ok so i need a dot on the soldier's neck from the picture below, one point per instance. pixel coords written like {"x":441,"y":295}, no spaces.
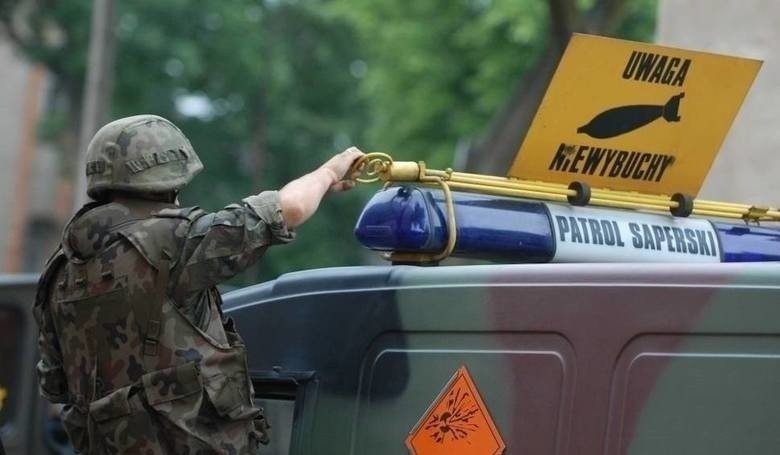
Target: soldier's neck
{"x":131,"y":198}
{"x":142,"y":206}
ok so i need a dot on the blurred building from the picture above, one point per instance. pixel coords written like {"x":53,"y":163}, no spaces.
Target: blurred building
{"x":29,"y":175}
{"x":748,"y":165}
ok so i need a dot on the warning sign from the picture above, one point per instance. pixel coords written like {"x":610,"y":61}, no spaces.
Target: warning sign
{"x":457,"y":423}
{"x":634,"y":116}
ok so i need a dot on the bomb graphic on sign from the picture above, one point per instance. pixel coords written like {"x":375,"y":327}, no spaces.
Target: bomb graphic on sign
{"x":624,"y":119}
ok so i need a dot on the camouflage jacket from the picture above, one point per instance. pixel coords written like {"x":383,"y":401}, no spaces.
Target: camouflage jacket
{"x":132,"y":336}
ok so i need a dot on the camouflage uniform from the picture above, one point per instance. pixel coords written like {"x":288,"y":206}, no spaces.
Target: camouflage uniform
{"x":132,"y":336}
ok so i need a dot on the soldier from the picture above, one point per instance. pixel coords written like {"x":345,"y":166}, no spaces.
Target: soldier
{"x":132,"y":336}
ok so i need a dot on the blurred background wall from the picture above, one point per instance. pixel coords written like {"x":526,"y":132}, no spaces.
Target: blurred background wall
{"x":28,"y":192}
{"x":747,"y":168}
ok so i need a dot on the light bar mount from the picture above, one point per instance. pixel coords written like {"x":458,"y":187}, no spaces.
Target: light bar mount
{"x":381,"y":167}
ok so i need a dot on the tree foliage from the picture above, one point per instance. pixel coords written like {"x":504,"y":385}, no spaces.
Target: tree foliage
{"x":438,"y":70}
{"x":444,"y":75}
{"x":263,"y":90}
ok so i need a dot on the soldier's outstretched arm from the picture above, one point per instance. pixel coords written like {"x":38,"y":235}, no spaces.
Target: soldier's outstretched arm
{"x":221,"y":244}
{"x":301,"y":197}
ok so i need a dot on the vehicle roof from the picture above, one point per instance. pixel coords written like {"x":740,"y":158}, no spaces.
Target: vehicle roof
{"x":586,"y":343}
{"x":356,"y":278}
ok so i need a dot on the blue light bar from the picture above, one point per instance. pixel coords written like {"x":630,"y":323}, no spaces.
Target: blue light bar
{"x":409,"y":219}
{"x":743,"y":243}
{"x":413,"y":219}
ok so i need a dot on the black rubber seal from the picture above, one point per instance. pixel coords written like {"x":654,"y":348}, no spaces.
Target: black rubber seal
{"x":684,"y":205}
{"x":583,"y":194}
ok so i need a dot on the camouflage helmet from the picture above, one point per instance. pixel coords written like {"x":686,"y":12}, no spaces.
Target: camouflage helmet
{"x":140,"y":154}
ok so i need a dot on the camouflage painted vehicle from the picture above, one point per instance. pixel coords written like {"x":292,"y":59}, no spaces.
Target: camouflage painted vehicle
{"x":567,"y":358}
{"x":542,"y":358}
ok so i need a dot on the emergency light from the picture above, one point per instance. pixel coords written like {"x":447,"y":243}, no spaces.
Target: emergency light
{"x":410,"y":219}
{"x":521,"y":221}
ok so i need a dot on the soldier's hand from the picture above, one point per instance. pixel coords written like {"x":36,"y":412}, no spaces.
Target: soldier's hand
{"x":340,"y":166}
{"x":300,"y":198}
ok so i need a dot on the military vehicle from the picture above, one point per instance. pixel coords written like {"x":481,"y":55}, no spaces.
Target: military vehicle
{"x":27,"y":422}
{"x":643,"y":330}
{"x":681,"y":356}
{"x":567,"y":358}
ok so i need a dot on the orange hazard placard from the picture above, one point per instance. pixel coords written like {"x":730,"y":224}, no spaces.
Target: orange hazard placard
{"x":457,"y":423}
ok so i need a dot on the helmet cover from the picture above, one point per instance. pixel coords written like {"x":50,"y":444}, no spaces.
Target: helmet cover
{"x":140,"y":154}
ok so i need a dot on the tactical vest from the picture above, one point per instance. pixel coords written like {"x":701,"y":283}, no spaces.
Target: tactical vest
{"x":142,"y":377}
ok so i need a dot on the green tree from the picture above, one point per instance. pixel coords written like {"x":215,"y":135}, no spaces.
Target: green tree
{"x":467,"y":75}
{"x":263,"y":90}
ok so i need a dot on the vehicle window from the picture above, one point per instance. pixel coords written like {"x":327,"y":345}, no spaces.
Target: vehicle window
{"x":11,"y":327}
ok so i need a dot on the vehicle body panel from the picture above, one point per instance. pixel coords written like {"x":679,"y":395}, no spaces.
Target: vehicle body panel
{"x":568,"y":358}
{"x":23,"y":413}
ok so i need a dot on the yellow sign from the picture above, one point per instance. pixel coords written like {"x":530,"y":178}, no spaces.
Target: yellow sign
{"x":633,"y":116}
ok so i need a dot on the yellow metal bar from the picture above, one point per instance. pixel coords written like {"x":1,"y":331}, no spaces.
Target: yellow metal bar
{"x":633,"y":197}
{"x":717,"y":213}
{"x":626,"y":205}
{"x":378,"y":166}
{"x":724,"y":204}
{"x":509,"y":191}
{"x":501,"y":181}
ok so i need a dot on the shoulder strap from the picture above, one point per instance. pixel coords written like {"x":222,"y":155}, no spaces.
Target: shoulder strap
{"x":152,"y":236}
{"x":45,"y":280}
{"x":188,"y":213}
{"x":154,"y":308}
